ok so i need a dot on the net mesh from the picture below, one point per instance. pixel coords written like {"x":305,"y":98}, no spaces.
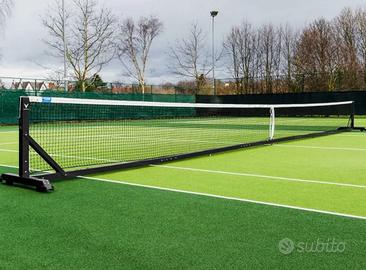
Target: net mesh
{"x":80,"y":136}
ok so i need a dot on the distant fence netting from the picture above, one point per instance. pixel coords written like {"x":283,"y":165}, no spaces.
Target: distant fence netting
{"x":9,"y":100}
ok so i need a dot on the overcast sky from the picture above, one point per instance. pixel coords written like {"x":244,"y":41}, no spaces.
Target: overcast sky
{"x":24,"y":52}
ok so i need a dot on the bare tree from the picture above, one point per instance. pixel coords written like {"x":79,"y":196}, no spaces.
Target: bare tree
{"x":270,"y":51}
{"x":361,"y":38}
{"x":318,"y":54}
{"x":240,"y":46}
{"x":346,"y":38}
{"x":257,"y":61}
{"x":232,"y":52}
{"x":189,"y":57}
{"x":134,"y":44}
{"x":89,"y":33}
{"x":345,"y":25}
{"x":288,"y":52}
{"x":245,"y":42}
{"x":325,"y":54}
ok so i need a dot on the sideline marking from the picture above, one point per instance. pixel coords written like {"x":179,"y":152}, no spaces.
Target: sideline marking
{"x":8,"y":150}
{"x":261,"y":176}
{"x":9,"y":131}
{"x":9,"y":166}
{"x":74,"y":157}
{"x":218,"y":197}
{"x":320,"y":147}
{"x":280,"y":178}
{"x":353,"y":134}
{"x":8,"y":143}
{"x":227,"y":198}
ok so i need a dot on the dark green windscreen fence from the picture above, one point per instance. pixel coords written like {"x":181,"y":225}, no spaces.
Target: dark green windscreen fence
{"x":9,"y":100}
{"x":9,"y":106}
{"x":359,"y":97}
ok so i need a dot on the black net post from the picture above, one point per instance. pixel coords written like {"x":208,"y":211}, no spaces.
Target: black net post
{"x":23,"y":137}
{"x":24,"y":177}
{"x":352,"y":117}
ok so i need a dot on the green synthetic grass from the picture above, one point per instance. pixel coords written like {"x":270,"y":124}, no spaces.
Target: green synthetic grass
{"x":95,"y":225}
{"x":336,"y":166}
{"x":88,"y":224}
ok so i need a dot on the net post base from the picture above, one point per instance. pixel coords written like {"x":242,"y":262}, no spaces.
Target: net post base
{"x":41,"y":185}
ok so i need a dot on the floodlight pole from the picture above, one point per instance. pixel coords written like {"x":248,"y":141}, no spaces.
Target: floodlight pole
{"x":65,"y":45}
{"x":213,"y":15}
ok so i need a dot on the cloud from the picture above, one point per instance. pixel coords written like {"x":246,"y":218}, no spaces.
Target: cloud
{"x":22,"y":47}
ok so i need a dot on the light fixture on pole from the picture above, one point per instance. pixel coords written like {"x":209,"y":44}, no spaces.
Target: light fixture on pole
{"x":65,"y":45}
{"x":213,"y":15}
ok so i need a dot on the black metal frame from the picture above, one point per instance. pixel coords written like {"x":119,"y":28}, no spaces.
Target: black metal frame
{"x":42,"y":181}
{"x":352,"y":120}
{"x":25,"y":142}
{"x":118,"y":166}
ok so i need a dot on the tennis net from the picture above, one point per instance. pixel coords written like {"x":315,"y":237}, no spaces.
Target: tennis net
{"x":64,"y":138}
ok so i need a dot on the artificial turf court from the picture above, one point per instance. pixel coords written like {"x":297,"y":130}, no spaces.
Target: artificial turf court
{"x":317,"y":188}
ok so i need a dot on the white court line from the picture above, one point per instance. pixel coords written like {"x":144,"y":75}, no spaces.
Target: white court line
{"x":280,"y":178}
{"x":9,"y":131}
{"x":7,"y":150}
{"x":76,"y":157}
{"x":218,"y":196}
{"x":354,"y":134}
{"x":9,"y":166}
{"x":261,"y":176}
{"x":320,"y":147}
{"x":8,"y":143}
{"x":228,"y":198}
